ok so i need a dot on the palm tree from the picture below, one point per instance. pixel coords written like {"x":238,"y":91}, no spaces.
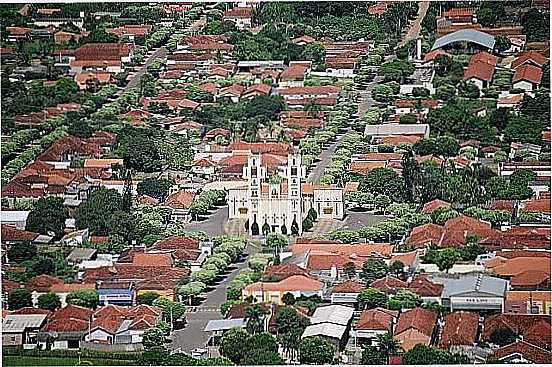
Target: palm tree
{"x":254,"y":317}
{"x":388,"y":345}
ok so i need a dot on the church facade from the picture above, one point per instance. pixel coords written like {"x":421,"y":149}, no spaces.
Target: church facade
{"x":281,"y":202}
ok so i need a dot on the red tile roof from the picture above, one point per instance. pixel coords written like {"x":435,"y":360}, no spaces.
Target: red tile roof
{"x":484,"y":57}
{"x":376,"y":319}
{"x":12,"y":234}
{"x":310,"y":90}
{"x":479,"y":70}
{"x":389,"y":285}
{"x":139,"y":30}
{"x":530,"y":352}
{"x":532,"y":57}
{"x":422,"y":235}
{"x":530,"y":279}
{"x":434,"y":204}
{"x":432,"y":55}
{"x":419,"y":319}
{"x":424,"y":287}
{"x":348,"y":286}
{"x":535,"y":329}
{"x":273,"y":148}
{"x":175,"y":243}
{"x":180,"y":200}
{"x":127,"y":272}
{"x":295,"y":72}
{"x":517,"y":265}
{"x":102,"y":51}
{"x":152,"y":259}
{"x":42,"y":283}
{"x":292,"y":283}
{"x":460,"y":328}
{"x":284,"y":271}
{"x":239,"y":12}
{"x":528,"y":73}
{"x":458,"y":13}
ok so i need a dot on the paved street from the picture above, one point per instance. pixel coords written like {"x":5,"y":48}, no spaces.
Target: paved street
{"x":193,"y":336}
{"x":414,"y":29}
{"x":356,"y":220}
{"x":318,"y":171}
{"x":213,"y":225}
{"x":135,"y":79}
{"x":366,"y":96}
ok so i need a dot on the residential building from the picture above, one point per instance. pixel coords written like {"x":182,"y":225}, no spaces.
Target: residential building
{"x":346,"y":292}
{"x":528,"y":302}
{"x":21,"y":330}
{"x":332,"y":323}
{"x":523,"y":352}
{"x":66,"y":328}
{"x":116,"y":293}
{"x":241,"y":16}
{"x":415,"y":327}
{"x":298,"y":285}
{"x":373,"y":323}
{"x":459,"y":333}
{"x":527,"y":77}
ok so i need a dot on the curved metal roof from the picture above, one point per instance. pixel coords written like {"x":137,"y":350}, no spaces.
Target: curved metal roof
{"x":465,"y":35}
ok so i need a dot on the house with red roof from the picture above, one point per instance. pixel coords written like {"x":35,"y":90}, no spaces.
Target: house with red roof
{"x":373,"y":323}
{"x":86,"y":80}
{"x":522,"y":352}
{"x":533,"y":329}
{"x":459,"y":332}
{"x":113,"y":325}
{"x":69,"y":324}
{"x":109,"y":57}
{"x":527,"y":77}
{"x":293,"y":76}
{"x":529,"y":302}
{"x":131,"y":30}
{"x":480,"y":70}
{"x":346,"y":292}
{"x":256,"y":90}
{"x":180,"y":202}
{"x":529,"y":57}
{"x":415,"y":326}
{"x":241,"y":16}
{"x":298,"y":285}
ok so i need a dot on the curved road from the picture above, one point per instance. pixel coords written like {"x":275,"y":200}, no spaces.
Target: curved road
{"x":414,"y":29}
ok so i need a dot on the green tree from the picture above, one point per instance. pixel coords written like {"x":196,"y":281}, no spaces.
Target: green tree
{"x":266,"y":358}
{"x":19,"y":298}
{"x":447,"y":258}
{"x":503,"y":336}
{"x":21,"y":251}
{"x":423,"y":354}
{"x":171,"y":310}
{"x":254,"y":318}
{"x":147,"y":298}
{"x":316,"y":350}
{"x":373,"y":269}
{"x":349,"y":269}
{"x":233,"y":344}
{"x":153,"y":337}
{"x":403,"y":300}
{"x":371,"y":355}
{"x":49,"y":301}
{"x":95,"y":213}
{"x":156,"y":188}
{"x":83,"y":297}
{"x":48,"y":215}
{"x":502,"y":43}
{"x":535,"y":25}
{"x":384,"y":181}
{"x":445,"y":92}
{"x":288,"y":298}
{"x":371,"y":298}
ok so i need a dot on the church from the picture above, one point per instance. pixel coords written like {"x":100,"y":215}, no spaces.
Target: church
{"x":279,"y":203}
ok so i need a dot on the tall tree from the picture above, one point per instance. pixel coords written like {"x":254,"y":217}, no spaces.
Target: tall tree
{"x":48,"y":216}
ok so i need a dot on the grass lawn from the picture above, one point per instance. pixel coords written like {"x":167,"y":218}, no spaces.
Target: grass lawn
{"x":58,"y":361}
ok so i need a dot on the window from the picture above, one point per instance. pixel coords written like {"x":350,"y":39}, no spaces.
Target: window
{"x":294,"y":171}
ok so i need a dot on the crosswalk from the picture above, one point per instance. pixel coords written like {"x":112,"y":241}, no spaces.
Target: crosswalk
{"x":202,"y":309}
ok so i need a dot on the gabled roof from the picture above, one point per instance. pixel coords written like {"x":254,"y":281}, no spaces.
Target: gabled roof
{"x":424,"y":287}
{"x":532,"y":57}
{"x":460,"y":328}
{"x":527,"y":72}
{"x":152,"y":259}
{"x":348,"y":286}
{"x":434,"y":204}
{"x":535,"y":329}
{"x":479,"y":70}
{"x":528,"y":351}
{"x":419,"y":319}
{"x":180,"y":200}
{"x":389,"y":285}
{"x":12,"y":234}
{"x":376,"y":319}
{"x":292,"y":283}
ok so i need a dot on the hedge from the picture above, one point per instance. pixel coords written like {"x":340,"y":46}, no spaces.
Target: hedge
{"x":83,"y":352}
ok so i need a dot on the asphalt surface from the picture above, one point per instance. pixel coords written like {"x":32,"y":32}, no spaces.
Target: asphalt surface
{"x":193,"y":336}
{"x":414,"y":29}
{"x":325,"y":157}
{"x":213,"y":225}
{"x":135,"y":80}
